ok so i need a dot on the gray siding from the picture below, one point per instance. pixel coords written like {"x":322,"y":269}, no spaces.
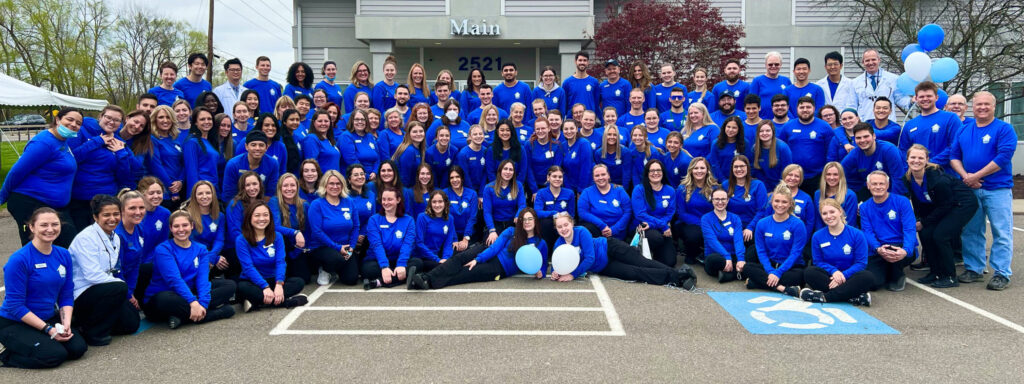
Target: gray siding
{"x":732,"y":10}
{"x":328,"y":13}
{"x":755,"y":61}
{"x":548,"y":8}
{"x":819,"y":12}
{"x":401,"y":7}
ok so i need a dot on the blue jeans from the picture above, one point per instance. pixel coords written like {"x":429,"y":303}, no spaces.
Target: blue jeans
{"x":995,"y":205}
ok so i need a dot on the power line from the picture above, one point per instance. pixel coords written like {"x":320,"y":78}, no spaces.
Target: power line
{"x":240,"y":14}
{"x":270,"y":7}
{"x":260,"y":14}
{"x":275,"y":75}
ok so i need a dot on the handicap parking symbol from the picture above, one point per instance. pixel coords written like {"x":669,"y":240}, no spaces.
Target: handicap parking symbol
{"x":764,"y":313}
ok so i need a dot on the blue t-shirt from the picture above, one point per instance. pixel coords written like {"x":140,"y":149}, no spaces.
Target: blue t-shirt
{"x":977,"y":146}
{"x":268,"y":90}
{"x":586,"y":91}
{"x":766,"y":87}
{"x":191,"y":90}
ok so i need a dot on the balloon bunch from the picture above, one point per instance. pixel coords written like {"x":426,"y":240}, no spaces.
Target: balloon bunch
{"x":920,"y":67}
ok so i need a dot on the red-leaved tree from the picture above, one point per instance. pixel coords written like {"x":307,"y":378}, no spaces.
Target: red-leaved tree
{"x":686,"y":33}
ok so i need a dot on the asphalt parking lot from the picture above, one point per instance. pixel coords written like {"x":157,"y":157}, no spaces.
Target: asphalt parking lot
{"x":594,"y":330}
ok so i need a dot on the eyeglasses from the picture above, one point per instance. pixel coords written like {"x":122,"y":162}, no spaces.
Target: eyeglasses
{"x":676,"y":98}
{"x":528,"y":218}
{"x":719,"y":199}
{"x":107,"y":117}
{"x":655,"y":171}
{"x":774,"y":64}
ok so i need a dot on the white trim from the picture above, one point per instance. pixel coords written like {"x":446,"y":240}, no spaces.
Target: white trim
{"x":969,"y":307}
{"x":536,"y":61}
{"x":325,"y":54}
{"x":458,"y":309}
{"x":792,"y":58}
{"x":502,"y":10}
{"x":609,"y":309}
{"x":298,"y":34}
{"x":792,"y":20}
{"x":464,"y":290}
{"x":447,"y":7}
{"x":359,"y":7}
{"x":421,"y":59}
{"x":743,"y":12}
{"x":842,"y":70}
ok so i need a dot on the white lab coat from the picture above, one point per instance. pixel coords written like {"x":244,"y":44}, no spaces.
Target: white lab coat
{"x":844,"y":93}
{"x":92,"y":256}
{"x":864,"y":96}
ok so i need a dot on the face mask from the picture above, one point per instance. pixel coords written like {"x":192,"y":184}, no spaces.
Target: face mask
{"x":65,"y":132}
{"x":451,"y":115}
{"x":331,"y":79}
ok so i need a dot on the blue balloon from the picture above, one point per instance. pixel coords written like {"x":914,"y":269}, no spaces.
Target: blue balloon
{"x":905,"y":84}
{"x":930,"y":37}
{"x":528,"y":259}
{"x":943,"y":97}
{"x":944,"y":69}
{"x":910,"y":48}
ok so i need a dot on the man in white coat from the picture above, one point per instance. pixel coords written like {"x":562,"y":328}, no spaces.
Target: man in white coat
{"x":873,"y":83}
{"x":838,"y":88}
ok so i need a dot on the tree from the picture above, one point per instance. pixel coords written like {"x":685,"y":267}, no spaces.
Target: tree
{"x":687,"y":34}
{"x":984,"y":36}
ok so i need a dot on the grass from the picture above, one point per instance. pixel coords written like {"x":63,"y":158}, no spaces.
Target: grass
{"x":8,"y":158}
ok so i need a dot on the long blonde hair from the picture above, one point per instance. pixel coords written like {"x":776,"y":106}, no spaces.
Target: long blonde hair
{"x":298,"y":202}
{"x":192,"y":206}
{"x":604,"y":142}
{"x":690,"y":184}
{"x":773,"y":152}
{"x":840,"y":192}
{"x":407,"y":141}
{"x":173,"y":132}
{"x":689,"y":128}
{"x":422,"y":85}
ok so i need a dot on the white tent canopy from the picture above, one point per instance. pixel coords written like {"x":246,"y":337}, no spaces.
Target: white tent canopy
{"x":22,"y":94}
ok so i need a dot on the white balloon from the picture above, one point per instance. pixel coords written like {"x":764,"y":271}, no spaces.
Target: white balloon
{"x":918,"y":66}
{"x":565,"y":259}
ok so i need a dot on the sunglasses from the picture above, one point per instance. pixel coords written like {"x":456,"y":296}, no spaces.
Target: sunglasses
{"x":676,"y":98}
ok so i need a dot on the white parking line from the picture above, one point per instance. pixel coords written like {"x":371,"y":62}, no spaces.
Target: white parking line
{"x":614,"y":323}
{"x":968,"y":306}
{"x":464,"y":290}
{"x":474,"y":309}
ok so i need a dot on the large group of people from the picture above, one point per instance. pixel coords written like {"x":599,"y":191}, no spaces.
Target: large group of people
{"x":205,"y":197}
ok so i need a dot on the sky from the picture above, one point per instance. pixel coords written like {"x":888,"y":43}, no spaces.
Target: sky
{"x":233,"y":31}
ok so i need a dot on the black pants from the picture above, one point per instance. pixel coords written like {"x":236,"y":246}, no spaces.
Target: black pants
{"x":247,"y":290}
{"x":886,"y":272}
{"x":856,"y":284}
{"x":371,"y":270}
{"x":174,"y":205}
{"x":81,"y":213}
{"x":596,"y":231}
{"x":453,"y":271}
{"x":663,"y":249}
{"x":863,"y":194}
{"x":500,"y":226}
{"x":941,"y":240}
{"x":715,"y":263}
{"x":626,"y":263}
{"x":547,"y":231}
{"x":759,"y":277}
{"x":332,"y":261}
{"x":28,"y":347}
{"x":298,"y":266}
{"x":234,"y":268}
{"x":692,"y":238}
{"x":811,"y":185}
{"x":167,"y":303}
{"x":21,"y":207}
{"x":104,"y":309}
{"x":145,"y":276}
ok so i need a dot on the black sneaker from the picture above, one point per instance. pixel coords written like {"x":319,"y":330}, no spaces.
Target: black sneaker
{"x":969,"y":276}
{"x":945,"y":282}
{"x":863,"y":300}
{"x":921,"y":266}
{"x":688,"y":283}
{"x":750,"y":285}
{"x":370,"y":284}
{"x":811,"y":295}
{"x":690,"y":260}
{"x":792,"y":290}
{"x":419,"y":281}
{"x":296,"y":301}
{"x":899,"y":285}
{"x":998,"y":283}
{"x":221,"y":313}
{"x":928,"y":279}
{"x":173,"y":322}
{"x":410,"y":272}
{"x":97,"y":341}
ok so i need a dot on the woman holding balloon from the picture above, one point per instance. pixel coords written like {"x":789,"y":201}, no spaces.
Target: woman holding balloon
{"x":608,"y":257}
{"x":501,"y":259}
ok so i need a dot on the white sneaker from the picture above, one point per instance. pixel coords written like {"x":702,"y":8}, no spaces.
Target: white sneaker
{"x":246,"y":306}
{"x":323,"y":278}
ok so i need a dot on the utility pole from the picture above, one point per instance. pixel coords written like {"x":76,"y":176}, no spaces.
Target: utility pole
{"x":209,"y":46}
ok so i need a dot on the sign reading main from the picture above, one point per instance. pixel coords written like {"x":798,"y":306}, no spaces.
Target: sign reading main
{"x":466,"y":27}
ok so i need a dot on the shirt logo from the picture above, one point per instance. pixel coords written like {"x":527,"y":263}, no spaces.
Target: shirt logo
{"x":465,"y":205}
{"x":736,"y":93}
{"x":517,"y":95}
{"x":731,"y":231}
{"x":573,"y":156}
{"x":808,"y":94}
{"x":985,"y":139}
{"x":589,"y":88}
{"x":786,"y":235}
{"x":747,"y":199}
{"x":195,"y":262}
{"x":398,"y":234}
{"x":178,"y":147}
{"x":847,"y":249}
{"x":445,"y":229}
{"x":483,"y":161}
{"x":661,"y":141}
{"x":814,"y":135}
{"x":878,"y":165}
{"x":618,"y":161}
{"x":369,"y":205}
{"x":555,"y":99}
{"x":701,"y":137}
{"x":927,"y":197}
{"x":664,"y":203}
{"x":510,"y":197}
{"x":273,"y":92}
{"x":892,"y":215}
{"x":62,"y":271}
{"x":615,"y":202}
{"x":783,"y":86}
{"x":372,"y":146}
{"x":213,"y":227}
{"x":935,"y":128}
{"x":563,"y":204}
{"x":768,"y":234}
{"x":271,"y":251}
{"x":348,"y":216}
{"x":618,"y":92}
{"x":797,"y":209}
{"x":158,"y":225}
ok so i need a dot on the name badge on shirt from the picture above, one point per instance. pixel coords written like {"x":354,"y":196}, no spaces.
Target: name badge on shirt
{"x":825,"y":244}
{"x":548,"y":202}
{"x":727,"y":223}
{"x":913,"y":129}
{"x":797,"y":130}
{"x":549,"y":154}
{"x":768,"y":234}
{"x":40,"y":265}
{"x":385,"y":226}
